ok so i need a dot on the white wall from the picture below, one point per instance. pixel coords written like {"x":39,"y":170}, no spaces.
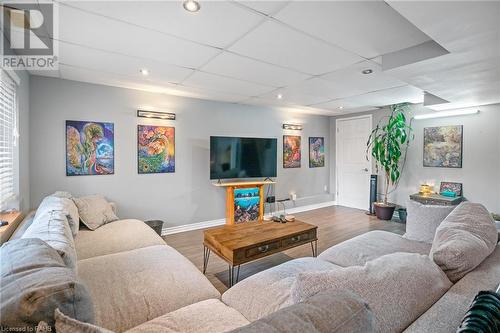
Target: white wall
{"x":183,"y":197}
{"x":480,"y":172}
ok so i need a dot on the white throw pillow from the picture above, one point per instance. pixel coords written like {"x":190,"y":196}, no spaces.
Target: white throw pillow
{"x":95,"y":211}
{"x":398,"y":287}
{"x":423,"y":220}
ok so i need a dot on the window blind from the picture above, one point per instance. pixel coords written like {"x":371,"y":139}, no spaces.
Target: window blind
{"x":7,"y":138}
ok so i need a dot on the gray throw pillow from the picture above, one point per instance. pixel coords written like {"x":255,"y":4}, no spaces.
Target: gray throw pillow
{"x":423,"y":220}
{"x":398,"y":287}
{"x":95,"y":211}
{"x":465,"y":238}
{"x":34,"y":282}
{"x":326,"y":312}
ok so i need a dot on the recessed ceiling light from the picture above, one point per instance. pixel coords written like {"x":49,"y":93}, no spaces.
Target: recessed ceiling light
{"x":144,"y":71}
{"x":279,"y":96}
{"x":367,"y":71}
{"x":191,"y":6}
{"x":341,"y":107}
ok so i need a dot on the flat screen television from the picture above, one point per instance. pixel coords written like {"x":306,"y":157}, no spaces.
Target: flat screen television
{"x":232,"y":157}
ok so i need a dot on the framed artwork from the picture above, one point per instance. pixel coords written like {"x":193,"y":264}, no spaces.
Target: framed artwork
{"x":291,"y":151}
{"x":451,"y":187}
{"x":155,"y":149}
{"x":246,"y":204}
{"x":316,"y":152}
{"x":443,"y":146}
{"x":90,"y":148}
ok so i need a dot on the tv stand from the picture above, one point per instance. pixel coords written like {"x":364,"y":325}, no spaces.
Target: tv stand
{"x":230,"y":197}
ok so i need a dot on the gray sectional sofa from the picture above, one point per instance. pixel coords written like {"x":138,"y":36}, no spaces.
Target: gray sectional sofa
{"x":137,"y":283}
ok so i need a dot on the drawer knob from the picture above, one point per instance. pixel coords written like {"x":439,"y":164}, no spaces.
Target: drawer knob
{"x":263,"y":249}
{"x":296,"y":239}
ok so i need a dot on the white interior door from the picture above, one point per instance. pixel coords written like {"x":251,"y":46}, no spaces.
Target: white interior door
{"x":353,"y":170}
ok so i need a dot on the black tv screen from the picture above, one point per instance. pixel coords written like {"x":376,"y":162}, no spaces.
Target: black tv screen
{"x":232,"y":157}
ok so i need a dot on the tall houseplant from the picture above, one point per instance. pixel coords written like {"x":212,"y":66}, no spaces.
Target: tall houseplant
{"x":387,"y":146}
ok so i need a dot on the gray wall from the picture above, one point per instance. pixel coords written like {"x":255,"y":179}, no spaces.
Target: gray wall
{"x":183,"y":197}
{"x":480,"y":172}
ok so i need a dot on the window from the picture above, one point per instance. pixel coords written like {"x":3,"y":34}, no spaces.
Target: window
{"x":8,"y":133}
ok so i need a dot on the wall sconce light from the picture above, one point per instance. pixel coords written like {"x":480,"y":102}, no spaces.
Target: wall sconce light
{"x":157,"y":115}
{"x":293,"y":127}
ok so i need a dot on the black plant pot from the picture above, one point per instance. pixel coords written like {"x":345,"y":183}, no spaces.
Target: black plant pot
{"x":384,"y":211}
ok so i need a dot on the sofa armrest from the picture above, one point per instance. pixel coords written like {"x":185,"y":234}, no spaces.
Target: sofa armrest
{"x":327,"y":311}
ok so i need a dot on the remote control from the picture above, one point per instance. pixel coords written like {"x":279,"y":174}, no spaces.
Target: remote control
{"x":2,"y":223}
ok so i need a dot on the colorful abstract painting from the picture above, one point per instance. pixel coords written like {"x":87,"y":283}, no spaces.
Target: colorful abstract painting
{"x":316,"y":152}
{"x":443,"y":146}
{"x":291,"y":151}
{"x":246,"y":204}
{"x":90,"y":148}
{"x":156,"y":149}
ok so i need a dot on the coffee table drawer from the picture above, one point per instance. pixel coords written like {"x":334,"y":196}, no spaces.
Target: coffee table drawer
{"x":259,"y":250}
{"x":305,"y":237}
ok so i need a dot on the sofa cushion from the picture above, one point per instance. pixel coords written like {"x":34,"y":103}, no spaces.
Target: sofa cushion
{"x":34,"y":282}
{"x":326,"y":312}
{"x":451,"y":308}
{"x":423,"y":220}
{"x":398,"y":287}
{"x":359,"y":250}
{"x":132,"y":287}
{"x":52,"y":227}
{"x":269,"y":290}
{"x":464,"y":239}
{"x":95,"y":211}
{"x":210,"y":316}
{"x":63,"y":204}
{"x":114,"y":237}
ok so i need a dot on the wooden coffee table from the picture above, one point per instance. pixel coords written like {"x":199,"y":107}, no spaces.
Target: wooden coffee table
{"x":242,"y":243}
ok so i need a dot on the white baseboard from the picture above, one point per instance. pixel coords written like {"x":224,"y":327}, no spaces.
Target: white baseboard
{"x":213,"y":223}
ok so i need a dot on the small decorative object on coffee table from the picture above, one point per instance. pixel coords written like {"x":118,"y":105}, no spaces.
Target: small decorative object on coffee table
{"x":156,"y":225}
{"x":242,"y":243}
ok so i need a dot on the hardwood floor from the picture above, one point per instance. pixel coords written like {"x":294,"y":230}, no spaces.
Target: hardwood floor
{"x":335,"y":224}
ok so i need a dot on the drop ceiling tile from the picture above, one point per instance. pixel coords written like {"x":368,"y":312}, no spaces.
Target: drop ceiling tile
{"x":77,"y":26}
{"x":265,"y":7}
{"x":224,"y":84}
{"x":473,"y":21}
{"x":130,"y":66}
{"x":351,"y":81}
{"x":277,"y":44}
{"x":112,"y":79}
{"x":343,"y":106}
{"x":387,"y":97}
{"x":291,"y":97}
{"x":218,"y":23}
{"x":243,"y":68}
{"x":368,"y":28}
